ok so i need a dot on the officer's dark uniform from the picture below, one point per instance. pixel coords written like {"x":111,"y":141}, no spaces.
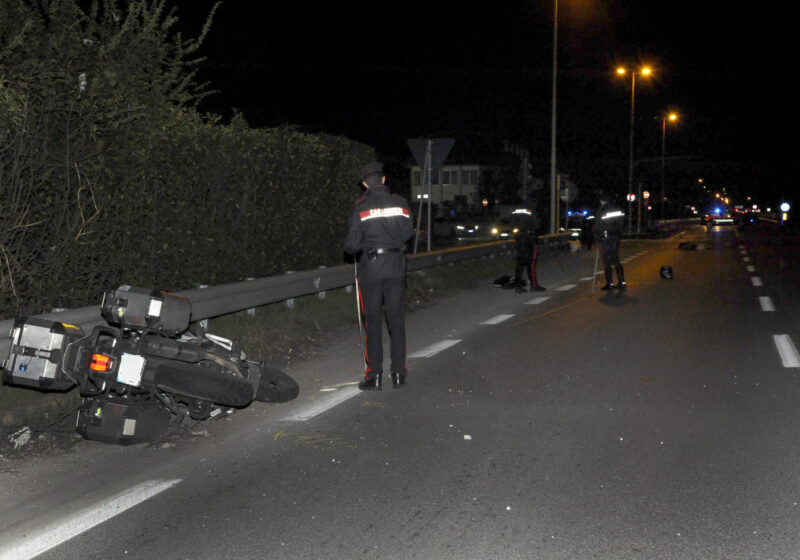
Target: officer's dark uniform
{"x":526,"y":244}
{"x":608,"y":224}
{"x":587,"y":232}
{"x":380,"y":226}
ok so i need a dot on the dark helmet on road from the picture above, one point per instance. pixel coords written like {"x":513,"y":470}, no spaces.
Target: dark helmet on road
{"x":666,"y":272}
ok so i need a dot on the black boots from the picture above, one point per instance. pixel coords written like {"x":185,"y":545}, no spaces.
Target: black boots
{"x":398,"y":380}
{"x":376,"y":383}
{"x":371,"y":383}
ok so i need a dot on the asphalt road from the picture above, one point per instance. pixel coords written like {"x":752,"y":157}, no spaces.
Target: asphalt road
{"x":658,"y":422}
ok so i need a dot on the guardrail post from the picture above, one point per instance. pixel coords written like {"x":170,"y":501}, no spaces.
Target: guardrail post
{"x":252,"y":311}
{"x":290,"y":301}
{"x":320,"y":295}
{"x":203,"y":322}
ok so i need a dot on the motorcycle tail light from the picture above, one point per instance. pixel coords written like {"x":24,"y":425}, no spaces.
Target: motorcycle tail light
{"x":100,"y":363}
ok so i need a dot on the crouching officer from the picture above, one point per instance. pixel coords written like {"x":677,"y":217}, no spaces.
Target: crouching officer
{"x":379,"y":228}
{"x":608,"y":225}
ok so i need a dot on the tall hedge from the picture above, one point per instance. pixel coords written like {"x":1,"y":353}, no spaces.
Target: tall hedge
{"x":108,"y":174}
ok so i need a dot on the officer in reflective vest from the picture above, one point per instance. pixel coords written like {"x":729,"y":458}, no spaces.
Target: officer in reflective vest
{"x":379,"y":228}
{"x":526,"y":244}
{"x":608,"y":224}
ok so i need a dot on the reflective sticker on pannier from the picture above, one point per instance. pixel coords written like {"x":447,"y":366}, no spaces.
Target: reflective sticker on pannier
{"x":130,"y":370}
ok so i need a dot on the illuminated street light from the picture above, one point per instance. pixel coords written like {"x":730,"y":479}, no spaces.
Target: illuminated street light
{"x":553,"y":187}
{"x":672,"y":117}
{"x":644,"y":71}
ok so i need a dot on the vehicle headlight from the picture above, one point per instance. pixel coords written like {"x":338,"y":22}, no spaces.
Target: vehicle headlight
{"x":494,"y":231}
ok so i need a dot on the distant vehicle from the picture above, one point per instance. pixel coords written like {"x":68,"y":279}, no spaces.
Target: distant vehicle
{"x":458,"y":228}
{"x":719,"y":217}
{"x":575,"y":225}
{"x":503,"y":229}
{"x":470,"y":228}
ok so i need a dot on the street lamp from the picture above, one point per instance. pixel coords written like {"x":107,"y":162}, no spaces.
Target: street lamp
{"x":644,"y":71}
{"x":672,"y":117}
{"x":553,"y":188}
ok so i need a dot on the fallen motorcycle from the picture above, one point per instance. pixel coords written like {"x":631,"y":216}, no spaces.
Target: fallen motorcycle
{"x":142,"y":369}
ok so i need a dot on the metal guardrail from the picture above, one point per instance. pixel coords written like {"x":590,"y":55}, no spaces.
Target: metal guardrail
{"x":239,"y":296}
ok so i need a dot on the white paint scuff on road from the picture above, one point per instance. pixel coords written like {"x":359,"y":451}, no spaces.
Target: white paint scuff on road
{"x":537,"y":300}
{"x":434,"y":349}
{"x":497,"y":319}
{"x":35,"y":542}
{"x":756,"y":281}
{"x":787,"y":350}
{"x":766,"y":303}
{"x":323,"y":405}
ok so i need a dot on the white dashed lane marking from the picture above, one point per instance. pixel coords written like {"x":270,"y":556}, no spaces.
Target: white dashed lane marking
{"x":787,"y":350}
{"x":756,"y":281}
{"x":324,"y":404}
{"x":751,"y":268}
{"x":565,"y":288}
{"x":537,"y":300}
{"x":434,"y":349}
{"x":766,"y":303}
{"x":746,"y":259}
{"x":38,"y":540}
{"x":497,"y":319}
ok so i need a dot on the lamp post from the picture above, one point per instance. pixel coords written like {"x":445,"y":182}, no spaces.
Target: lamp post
{"x":645,"y":71}
{"x":672,"y":117}
{"x":553,"y":187}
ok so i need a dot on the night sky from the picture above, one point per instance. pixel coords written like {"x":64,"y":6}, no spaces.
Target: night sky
{"x":382,"y":72}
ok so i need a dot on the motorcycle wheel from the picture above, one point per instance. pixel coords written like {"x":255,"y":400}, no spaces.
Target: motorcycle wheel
{"x":203,"y":382}
{"x":276,"y":386}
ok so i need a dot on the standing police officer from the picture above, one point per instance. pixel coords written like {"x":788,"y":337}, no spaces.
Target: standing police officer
{"x":526,"y":244}
{"x":608,"y":223}
{"x":380,"y":226}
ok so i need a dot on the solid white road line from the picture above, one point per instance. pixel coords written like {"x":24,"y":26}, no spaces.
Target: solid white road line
{"x":324,"y":404}
{"x":36,"y":541}
{"x":766,"y":303}
{"x":787,"y":350}
{"x":565,"y":287}
{"x":537,"y":300}
{"x":497,"y":319}
{"x":434,"y":349}
{"x":756,"y":281}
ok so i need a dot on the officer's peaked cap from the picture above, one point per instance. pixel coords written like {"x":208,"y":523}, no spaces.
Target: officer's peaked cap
{"x":370,"y":168}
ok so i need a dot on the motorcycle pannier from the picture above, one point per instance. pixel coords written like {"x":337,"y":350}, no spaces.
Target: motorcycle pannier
{"x":145,"y":309}
{"x":116,"y":420}
{"x":36,"y":349}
